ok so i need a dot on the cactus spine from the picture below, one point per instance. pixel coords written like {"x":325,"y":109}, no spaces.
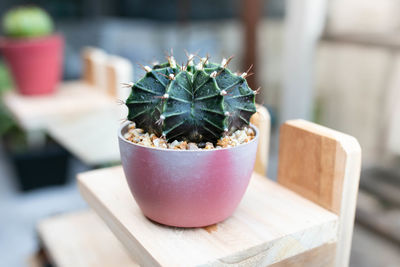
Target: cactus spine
{"x":194,"y":102}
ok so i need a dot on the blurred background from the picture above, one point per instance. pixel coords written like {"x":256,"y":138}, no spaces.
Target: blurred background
{"x":335,"y":62}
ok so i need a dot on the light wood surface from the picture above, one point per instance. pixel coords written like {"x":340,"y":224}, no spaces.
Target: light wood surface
{"x":322,"y":165}
{"x":119,"y":70}
{"x":34,"y":113}
{"x":262,"y":121}
{"x":322,"y":256}
{"x":81,"y":239}
{"x":94,"y":72}
{"x":91,"y":137}
{"x":271,"y":224}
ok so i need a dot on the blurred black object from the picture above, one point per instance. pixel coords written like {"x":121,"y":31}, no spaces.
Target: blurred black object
{"x":38,"y":167}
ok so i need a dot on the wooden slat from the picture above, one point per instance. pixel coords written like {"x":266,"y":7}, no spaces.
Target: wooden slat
{"x":270,"y":225}
{"x":94,"y":60}
{"x":71,"y":98}
{"x":382,"y":40}
{"x":81,"y":239}
{"x":119,"y":70}
{"x":91,"y":137}
{"x":322,"y":165}
{"x":262,"y":121}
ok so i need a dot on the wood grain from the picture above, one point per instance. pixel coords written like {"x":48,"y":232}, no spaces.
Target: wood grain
{"x":262,"y":121}
{"x":270,"y":225}
{"x":81,"y":239}
{"x":322,"y":165}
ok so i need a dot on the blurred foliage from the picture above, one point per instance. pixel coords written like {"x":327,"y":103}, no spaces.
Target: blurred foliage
{"x":317,"y":111}
{"x":6,"y":121}
{"x":5,"y":78}
{"x":14,"y":137}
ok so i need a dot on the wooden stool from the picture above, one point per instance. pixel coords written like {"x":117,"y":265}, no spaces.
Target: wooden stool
{"x":305,"y":219}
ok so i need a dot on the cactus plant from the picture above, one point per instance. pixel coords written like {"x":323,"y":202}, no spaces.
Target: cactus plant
{"x":194,"y":102}
{"x":27,"y":21}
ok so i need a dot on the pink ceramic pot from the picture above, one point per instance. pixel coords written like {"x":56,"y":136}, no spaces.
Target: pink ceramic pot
{"x":35,"y":63}
{"x":187,"y":188}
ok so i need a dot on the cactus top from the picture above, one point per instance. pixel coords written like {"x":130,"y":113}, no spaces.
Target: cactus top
{"x":27,"y":21}
{"x":193,"y":102}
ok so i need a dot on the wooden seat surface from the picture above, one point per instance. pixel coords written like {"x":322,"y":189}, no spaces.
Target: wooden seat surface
{"x":271,"y":224}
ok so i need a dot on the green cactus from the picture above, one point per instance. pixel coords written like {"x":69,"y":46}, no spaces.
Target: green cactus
{"x":27,"y":21}
{"x":191,"y":102}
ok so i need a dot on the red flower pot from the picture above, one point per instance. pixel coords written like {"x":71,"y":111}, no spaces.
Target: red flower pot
{"x":187,"y":188}
{"x":35,"y":63}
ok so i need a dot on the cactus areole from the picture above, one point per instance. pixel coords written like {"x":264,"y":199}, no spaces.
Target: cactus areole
{"x":197,"y":102}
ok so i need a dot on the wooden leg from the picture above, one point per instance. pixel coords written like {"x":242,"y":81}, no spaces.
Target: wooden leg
{"x":322,"y":165}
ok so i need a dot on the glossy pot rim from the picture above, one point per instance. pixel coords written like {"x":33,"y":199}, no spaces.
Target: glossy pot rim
{"x":129,"y":143}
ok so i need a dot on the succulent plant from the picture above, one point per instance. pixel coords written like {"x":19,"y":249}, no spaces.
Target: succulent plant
{"x":194,"y":102}
{"x":27,"y":21}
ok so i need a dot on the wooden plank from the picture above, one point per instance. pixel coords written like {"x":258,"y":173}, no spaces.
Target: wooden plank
{"x":81,"y":239}
{"x":322,"y":256}
{"x":382,"y":40}
{"x":91,"y":137}
{"x":119,"y":70}
{"x":33,"y":113}
{"x":94,"y":72}
{"x":271,"y":224}
{"x":322,"y":165}
{"x":262,"y":121}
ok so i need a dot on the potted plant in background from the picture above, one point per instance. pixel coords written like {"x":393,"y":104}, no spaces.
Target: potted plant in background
{"x":188,"y":150}
{"x":34,"y":55}
{"x":34,"y":167}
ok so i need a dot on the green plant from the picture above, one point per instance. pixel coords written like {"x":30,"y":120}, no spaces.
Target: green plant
{"x":27,"y":21}
{"x":6,"y":122}
{"x":193,"y":102}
